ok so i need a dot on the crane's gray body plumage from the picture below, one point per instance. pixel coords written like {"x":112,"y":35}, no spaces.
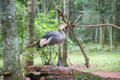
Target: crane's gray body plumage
{"x":57,"y":37}
{"x":52,"y":38}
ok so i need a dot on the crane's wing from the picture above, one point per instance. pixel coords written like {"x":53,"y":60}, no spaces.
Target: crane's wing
{"x":50,"y":34}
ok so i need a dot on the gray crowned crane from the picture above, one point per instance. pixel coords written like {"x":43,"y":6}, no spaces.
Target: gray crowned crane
{"x":53,"y":37}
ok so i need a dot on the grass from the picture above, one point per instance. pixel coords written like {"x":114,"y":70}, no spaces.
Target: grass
{"x":86,"y":76}
{"x":99,"y":61}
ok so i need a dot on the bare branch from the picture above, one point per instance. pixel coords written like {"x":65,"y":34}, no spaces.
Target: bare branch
{"x":77,"y":19}
{"x":98,"y":25}
{"x":29,"y":46}
{"x":62,"y":15}
{"x":5,"y":73}
{"x":82,"y":50}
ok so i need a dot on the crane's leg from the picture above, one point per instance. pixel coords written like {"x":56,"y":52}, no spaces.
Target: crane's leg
{"x":50,"y":55}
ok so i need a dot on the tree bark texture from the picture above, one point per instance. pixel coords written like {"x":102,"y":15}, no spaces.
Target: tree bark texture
{"x":11,"y":55}
{"x":29,"y":34}
{"x":116,"y":20}
{"x":101,"y":20}
{"x":59,"y":46}
{"x":96,"y":35}
{"x":65,"y":45}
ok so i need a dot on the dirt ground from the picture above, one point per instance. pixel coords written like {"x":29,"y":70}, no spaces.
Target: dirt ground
{"x":108,"y":74}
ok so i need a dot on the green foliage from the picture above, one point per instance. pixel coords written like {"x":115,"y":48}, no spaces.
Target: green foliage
{"x":27,"y":56}
{"x":83,"y":34}
{"x":92,"y":12}
{"x":20,"y":17}
{"x":84,"y":4}
{"x":44,"y":55}
{"x":77,"y":2}
{"x":45,"y":23}
{"x":96,"y":47}
{"x":90,"y":17}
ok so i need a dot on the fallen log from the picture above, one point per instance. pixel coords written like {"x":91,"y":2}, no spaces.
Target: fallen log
{"x":51,"y":70}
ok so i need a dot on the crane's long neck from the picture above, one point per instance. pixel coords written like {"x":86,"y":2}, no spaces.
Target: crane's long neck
{"x":62,"y":32}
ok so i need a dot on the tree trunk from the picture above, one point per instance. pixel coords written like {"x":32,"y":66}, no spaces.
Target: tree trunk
{"x":114,"y":11}
{"x":116,"y":21}
{"x":110,"y":38}
{"x":96,"y":35}
{"x":96,"y":38}
{"x":65,"y":45}
{"x":59,"y":46}
{"x":101,"y":20}
{"x":29,"y":34}
{"x":43,"y":4}
{"x":11,"y":55}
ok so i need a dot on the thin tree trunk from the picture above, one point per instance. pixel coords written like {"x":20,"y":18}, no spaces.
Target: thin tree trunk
{"x":101,"y":36}
{"x":96,"y":35}
{"x":59,"y":46}
{"x":110,"y":38}
{"x":101,"y":20}
{"x":65,"y":45}
{"x":11,"y":55}
{"x":29,"y":34}
{"x":110,"y":28}
{"x":114,"y":19}
{"x":43,"y":4}
{"x":97,"y":29}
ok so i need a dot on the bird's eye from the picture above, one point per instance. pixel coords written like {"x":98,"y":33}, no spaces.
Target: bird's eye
{"x":65,"y":27}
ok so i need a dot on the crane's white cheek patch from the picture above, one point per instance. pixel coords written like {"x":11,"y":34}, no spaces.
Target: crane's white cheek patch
{"x":44,"y":41}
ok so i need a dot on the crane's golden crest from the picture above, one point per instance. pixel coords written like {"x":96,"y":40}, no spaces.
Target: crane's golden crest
{"x":62,"y":26}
